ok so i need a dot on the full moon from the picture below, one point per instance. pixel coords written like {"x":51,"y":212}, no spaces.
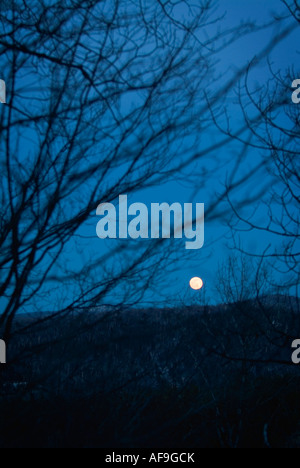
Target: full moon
{"x":196,"y":283}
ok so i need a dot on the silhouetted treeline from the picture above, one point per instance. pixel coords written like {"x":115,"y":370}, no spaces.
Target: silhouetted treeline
{"x":195,"y":377}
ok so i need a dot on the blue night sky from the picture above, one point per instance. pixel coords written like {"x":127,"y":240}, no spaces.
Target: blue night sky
{"x":174,"y":286}
{"x":190,"y":185}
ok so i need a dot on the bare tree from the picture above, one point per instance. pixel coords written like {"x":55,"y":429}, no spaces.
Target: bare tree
{"x":277,"y":136}
{"x":104,"y":98}
{"x":268,"y":276}
{"x":239,"y":279}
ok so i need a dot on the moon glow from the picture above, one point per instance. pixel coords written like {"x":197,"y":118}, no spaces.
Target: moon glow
{"x":196,"y":283}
